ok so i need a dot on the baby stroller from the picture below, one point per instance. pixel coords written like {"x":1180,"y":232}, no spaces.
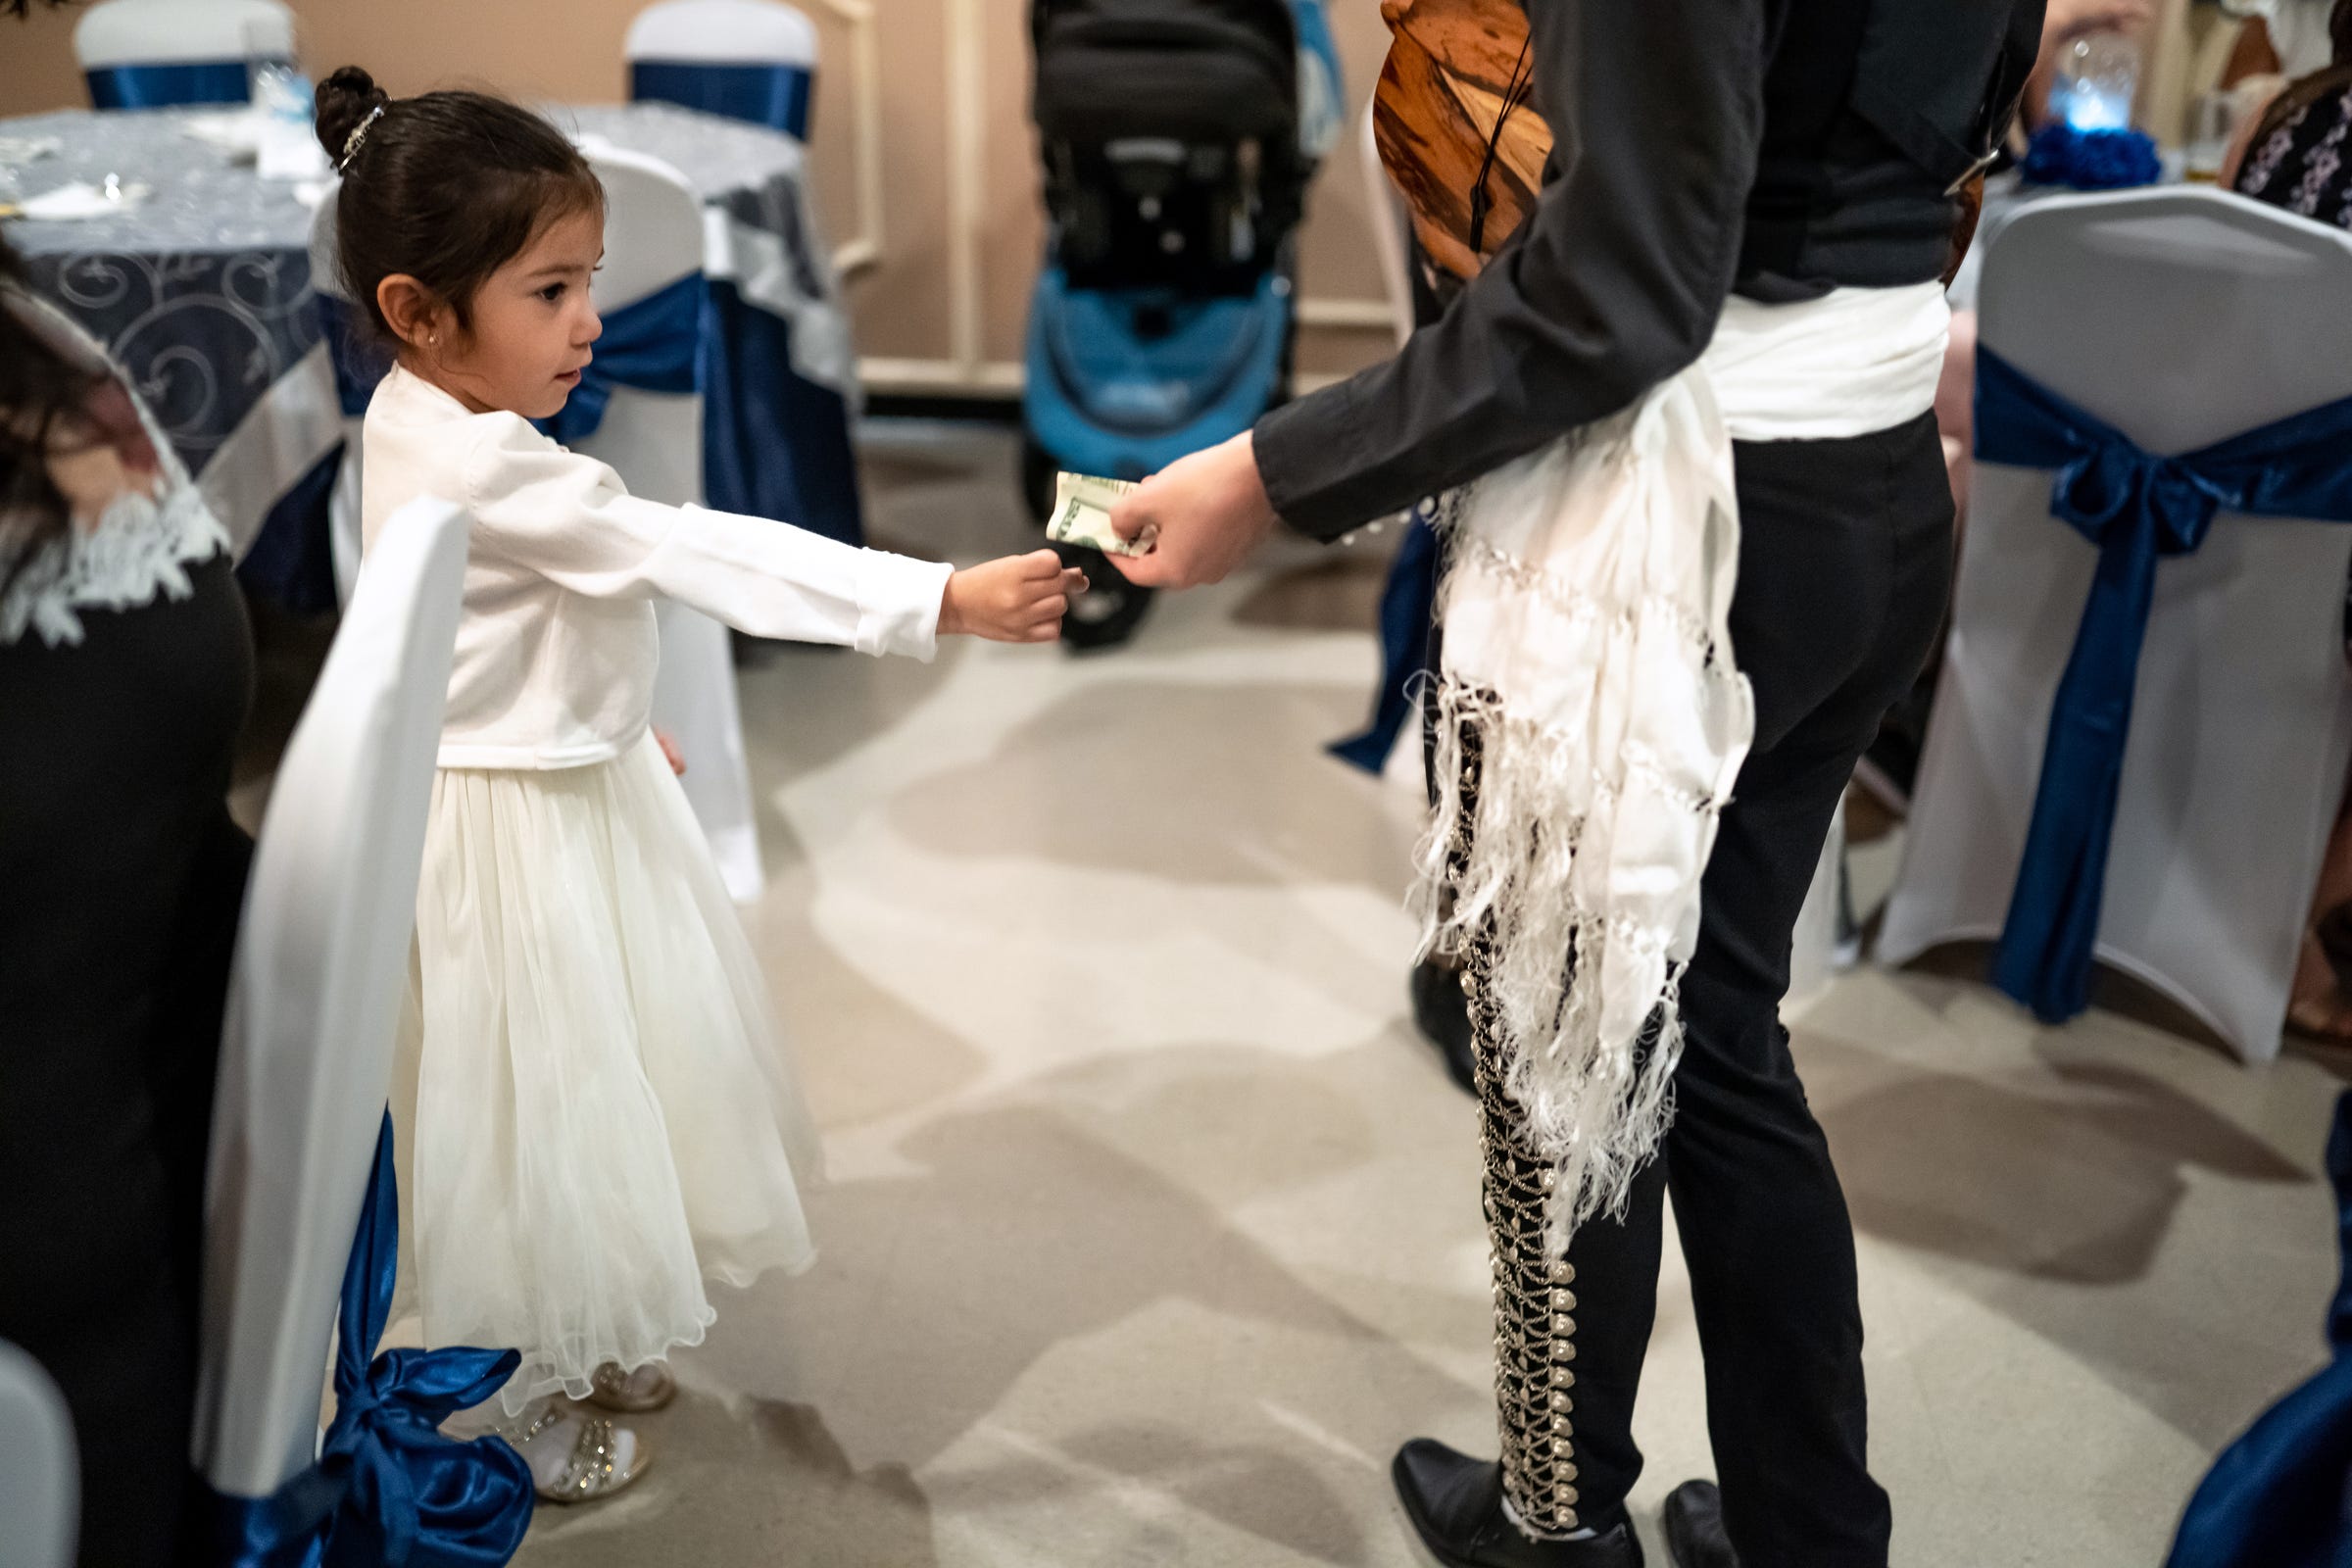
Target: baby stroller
{"x":1178,"y":137}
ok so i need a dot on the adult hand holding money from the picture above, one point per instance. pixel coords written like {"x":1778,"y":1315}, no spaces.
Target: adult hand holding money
{"x":1081,"y":515}
{"x":1205,"y":515}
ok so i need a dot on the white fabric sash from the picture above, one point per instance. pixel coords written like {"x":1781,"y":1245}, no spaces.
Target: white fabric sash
{"x":1853,"y":362}
{"x":1586,"y":613}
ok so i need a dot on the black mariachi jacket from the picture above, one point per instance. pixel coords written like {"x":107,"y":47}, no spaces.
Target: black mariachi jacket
{"x":1774,"y":148}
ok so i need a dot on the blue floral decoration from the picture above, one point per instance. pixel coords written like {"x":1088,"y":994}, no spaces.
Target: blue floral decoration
{"x":2092,"y":159}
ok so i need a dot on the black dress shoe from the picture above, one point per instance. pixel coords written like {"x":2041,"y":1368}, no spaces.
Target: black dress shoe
{"x":1443,"y":1012}
{"x":1695,"y":1533}
{"x":1455,"y":1504}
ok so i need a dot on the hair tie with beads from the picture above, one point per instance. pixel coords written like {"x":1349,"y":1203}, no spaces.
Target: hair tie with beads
{"x":359,"y":134}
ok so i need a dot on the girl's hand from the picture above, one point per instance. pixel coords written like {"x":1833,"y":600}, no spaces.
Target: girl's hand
{"x":670,"y":753}
{"x":1020,"y":599}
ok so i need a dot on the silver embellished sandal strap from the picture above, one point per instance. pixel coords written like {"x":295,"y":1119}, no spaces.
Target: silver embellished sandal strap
{"x":549,"y":1414}
{"x":592,"y":1470}
{"x":1535,"y":1297}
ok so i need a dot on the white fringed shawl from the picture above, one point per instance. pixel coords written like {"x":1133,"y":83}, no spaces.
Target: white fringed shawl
{"x":1586,"y":609}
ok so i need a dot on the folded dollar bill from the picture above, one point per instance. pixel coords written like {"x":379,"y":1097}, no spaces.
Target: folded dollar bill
{"x":1082,"y":504}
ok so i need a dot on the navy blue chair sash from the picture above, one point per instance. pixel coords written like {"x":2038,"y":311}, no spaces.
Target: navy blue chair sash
{"x":290,"y":562}
{"x":775,"y":444}
{"x":389,"y":1490}
{"x":359,"y":362}
{"x":694,"y":333}
{"x":767,"y":93}
{"x":2276,"y":1497}
{"x":1409,"y":606}
{"x":2136,"y":507}
{"x":162,"y":85}
{"x":651,"y":344}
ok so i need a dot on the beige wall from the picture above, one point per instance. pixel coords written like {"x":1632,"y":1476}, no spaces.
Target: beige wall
{"x":920,"y":103}
{"x":924,"y":167}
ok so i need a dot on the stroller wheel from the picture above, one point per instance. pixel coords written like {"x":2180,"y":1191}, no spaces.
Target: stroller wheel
{"x":1108,"y":612}
{"x":1038,"y":471}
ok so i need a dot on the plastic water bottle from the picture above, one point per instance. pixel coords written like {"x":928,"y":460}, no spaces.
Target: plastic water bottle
{"x":2097,"y":81}
{"x":283,"y":108}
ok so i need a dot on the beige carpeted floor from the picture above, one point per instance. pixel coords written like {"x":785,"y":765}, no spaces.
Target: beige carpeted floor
{"x":1152,"y":1227}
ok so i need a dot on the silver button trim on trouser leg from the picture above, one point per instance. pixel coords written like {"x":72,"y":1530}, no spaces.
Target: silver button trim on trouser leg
{"x":1534,"y":1332}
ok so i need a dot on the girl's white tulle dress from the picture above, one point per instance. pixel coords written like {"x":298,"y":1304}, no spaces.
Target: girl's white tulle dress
{"x":598,"y":1116}
{"x":593,"y":1114}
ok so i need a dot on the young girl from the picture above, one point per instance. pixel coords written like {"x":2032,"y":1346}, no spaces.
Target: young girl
{"x":594,"y":1113}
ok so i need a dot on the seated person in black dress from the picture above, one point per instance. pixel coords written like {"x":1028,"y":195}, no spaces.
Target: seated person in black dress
{"x":126,"y":668}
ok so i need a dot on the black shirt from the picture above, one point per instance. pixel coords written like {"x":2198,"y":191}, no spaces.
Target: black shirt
{"x":1700,"y":147}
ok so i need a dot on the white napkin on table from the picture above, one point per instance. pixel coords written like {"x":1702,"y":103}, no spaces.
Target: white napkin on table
{"x":79,"y":200}
{"x":235,"y":131}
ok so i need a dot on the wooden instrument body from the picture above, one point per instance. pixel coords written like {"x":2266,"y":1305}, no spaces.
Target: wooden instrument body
{"x":1442,"y":90}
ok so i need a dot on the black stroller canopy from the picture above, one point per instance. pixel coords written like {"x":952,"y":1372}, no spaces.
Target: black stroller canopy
{"x":1194,"y":71}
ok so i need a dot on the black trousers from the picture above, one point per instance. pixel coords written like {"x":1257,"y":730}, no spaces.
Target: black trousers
{"x":1844,"y":566}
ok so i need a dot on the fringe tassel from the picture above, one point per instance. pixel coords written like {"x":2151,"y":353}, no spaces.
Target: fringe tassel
{"x":1591,"y":1096}
{"x":1595,"y":1107}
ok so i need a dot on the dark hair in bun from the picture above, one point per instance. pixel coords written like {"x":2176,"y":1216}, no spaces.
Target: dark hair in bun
{"x":446,"y":187}
{"x":346,"y":98}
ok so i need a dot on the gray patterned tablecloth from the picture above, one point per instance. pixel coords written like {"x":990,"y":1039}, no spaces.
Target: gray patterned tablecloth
{"x":203,"y":290}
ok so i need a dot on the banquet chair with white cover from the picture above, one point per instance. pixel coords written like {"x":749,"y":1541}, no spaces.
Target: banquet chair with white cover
{"x":146,"y":53}
{"x":2179,"y":318}
{"x":653,"y":440}
{"x":321,"y":960}
{"x":751,"y":59}
{"x":40,"y":1484}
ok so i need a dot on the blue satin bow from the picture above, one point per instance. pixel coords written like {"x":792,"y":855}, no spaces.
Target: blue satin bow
{"x":2136,"y":508}
{"x":2276,"y":1496}
{"x":388,"y":1490}
{"x":767,"y":93}
{"x":1407,"y":619}
{"x":651,"y":344}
